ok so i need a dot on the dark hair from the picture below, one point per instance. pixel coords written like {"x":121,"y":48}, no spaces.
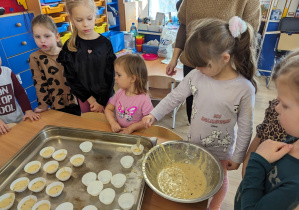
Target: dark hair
{"x":210,"y":38}
{"x":46,"y":21}
{"x":134,"y":65}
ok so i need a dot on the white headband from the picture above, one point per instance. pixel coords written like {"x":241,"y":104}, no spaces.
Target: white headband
{"x":237,"y":26}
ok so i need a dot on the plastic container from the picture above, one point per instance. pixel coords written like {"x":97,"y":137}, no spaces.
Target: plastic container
{"x":139,"y":40}
{"x":98,"y":3}
{"x":62,"y":27}
{"x":101,"y":19}
{"x":100,"y":29}
{"x":65,"y":36}
{"x":133,"y":30}
{"x":117,"y":40}
{"x":58,"y":17}
{"x":100,"y":11}
{"x":48,"y":1}
{"x":50,"y":10}
{"x":139,"y":47}
{"x":150,"y":49}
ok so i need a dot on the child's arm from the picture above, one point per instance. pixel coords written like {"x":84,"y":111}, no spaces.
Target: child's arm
{"x":23,"y":99}
{"x":40,"y":84}
{"x":109,"y":113}
{"x":252,"y":148}
{"x":133,"y":127}
{"x":3,"y":127}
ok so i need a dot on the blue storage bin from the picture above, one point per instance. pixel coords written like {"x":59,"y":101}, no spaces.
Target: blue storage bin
{"x":116,"y":39}
{"x":100,"y":10}
{"x":150,"y":49}
{"x":62,"y":27}
{"x":48,"y":1}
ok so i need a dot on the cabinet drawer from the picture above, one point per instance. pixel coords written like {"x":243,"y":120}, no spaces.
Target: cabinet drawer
{"x":20,"y":62}
{"x":18,"y":44}
{"x":12,"y":25}
{"x":26,"y":78}
{"x":31,"y":93}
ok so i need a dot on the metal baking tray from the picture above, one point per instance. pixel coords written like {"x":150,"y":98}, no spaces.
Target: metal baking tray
{"x":108,"y":149}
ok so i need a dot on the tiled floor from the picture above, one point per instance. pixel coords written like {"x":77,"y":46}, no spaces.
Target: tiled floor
{"x":181,"y":127}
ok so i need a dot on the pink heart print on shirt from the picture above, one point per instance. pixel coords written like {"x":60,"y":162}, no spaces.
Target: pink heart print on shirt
{"x":89,"y":51}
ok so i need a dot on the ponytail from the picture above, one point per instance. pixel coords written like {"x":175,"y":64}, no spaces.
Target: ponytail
{"x":244,"y":55}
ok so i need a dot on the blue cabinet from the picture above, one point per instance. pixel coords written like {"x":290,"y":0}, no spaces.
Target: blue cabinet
{"x":16,"y":44}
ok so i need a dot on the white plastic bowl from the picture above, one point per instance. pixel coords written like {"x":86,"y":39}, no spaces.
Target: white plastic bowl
{"x":107,"y":196}
{"x":65,"y":206}
{"x":42,"y":202}
{"x":94,"y":188}
{"x":54,"y":184}
{"x":33,"y":181}
{"x":105,"y":176}
{"x":127,"y":161}
{"x":35,"y":164}
{"x":6,"y":196}
{"x":64,"y":173}
{"x":90,"y":207}
{"x":89,"y":177}
{"x":79,"y":156}
{"x":52,"y":162}
{"x":118,"y":180}
{"x":24,"y":200}
{"x":126,"y":201}
{"x":63,"y":153}
{"x":25,"y":181}
{"x":86,"y":146}
{"x":49,"y":150}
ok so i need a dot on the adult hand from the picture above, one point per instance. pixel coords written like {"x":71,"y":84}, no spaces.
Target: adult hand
{"x":3,"y":127}
{"x":231,"y":165}
{"x":148,"y":120}
{"x":273,"y":150}
{"x":115,"y":127}
{"x":95,"y":107}
{"x":31,"y":115}
{"x":170,"y":71}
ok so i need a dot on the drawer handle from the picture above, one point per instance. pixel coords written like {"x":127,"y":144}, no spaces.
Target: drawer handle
{"x":24,"y":43}
{"x":19,"y":24}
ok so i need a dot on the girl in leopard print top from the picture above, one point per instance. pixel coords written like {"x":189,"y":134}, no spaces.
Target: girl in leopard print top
{"x":48,"y":75}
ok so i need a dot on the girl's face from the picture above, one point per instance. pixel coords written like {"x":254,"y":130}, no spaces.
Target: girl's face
{"x":121,"y":78}
{"x":44,"y":38}
{"x":83,"y":19}
{"x":288,"y":108}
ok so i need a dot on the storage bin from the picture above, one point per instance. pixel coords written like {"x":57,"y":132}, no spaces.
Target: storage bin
{"x":62,"y":27}
{"x":98,"y":3}
{"x":100,"y":10}
{"x":49,"y":10}
{"x":150,"y":49}
{"x":116,"y":39}
{"x":101,"y":19}
{"x":65,"y":36}
{"x":58,"y":17}
{"x":100,"y":29}
{"x":48,"y":1}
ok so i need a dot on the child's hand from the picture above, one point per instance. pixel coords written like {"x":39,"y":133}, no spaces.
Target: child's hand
{"x":273,"y":150}
{"x":31,"y":115}
{"x":38,"y":110}
{"x":95,"y":107}
{"x":115,"y":127}
{"x":231,"y":165}
{"x":3,"y":127}
{"x":126,"y":130}
{"x":148,"y":120}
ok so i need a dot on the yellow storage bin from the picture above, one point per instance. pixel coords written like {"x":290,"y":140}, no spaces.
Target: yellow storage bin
{"x":98,"y":3}
{"x":58,"y":17}
{"x":50,"y":10}
{"x":100,"y":29}
{"x":101,"y":19}
{"x":65,"y":36}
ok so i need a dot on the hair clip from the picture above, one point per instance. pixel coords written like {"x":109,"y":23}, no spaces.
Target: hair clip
{"x":237,"y":26}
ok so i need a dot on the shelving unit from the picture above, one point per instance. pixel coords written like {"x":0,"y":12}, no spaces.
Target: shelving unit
{"x":113,"y":4}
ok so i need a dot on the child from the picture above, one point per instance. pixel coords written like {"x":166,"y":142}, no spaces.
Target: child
{"x":87,"y":58}
{"x":49,"y":82}
{"x":271,"y":180}
{"x":11,"y":91}
{"x":130,"y":102}
{"x":223,"y":89}
{"x":270,"y":127}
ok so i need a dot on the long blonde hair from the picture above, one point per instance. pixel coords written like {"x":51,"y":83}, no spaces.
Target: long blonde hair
{"x":210,"y":38}
{"x":46,"y":21}
{"x":134,"y":65}
{"x":70,"y":4}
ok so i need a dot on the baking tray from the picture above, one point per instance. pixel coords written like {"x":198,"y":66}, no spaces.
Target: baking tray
{"x":108,"y":148}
